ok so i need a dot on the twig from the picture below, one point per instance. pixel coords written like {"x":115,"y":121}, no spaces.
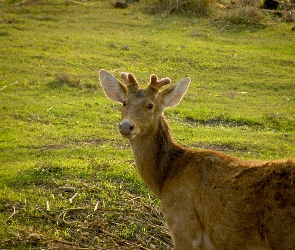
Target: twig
{"x":21,"y":3}
{"x":47,"y":206}
{"x":224,"y":27}
{"x":29,"y":2}
{"x":14,"y":212}
{"x":4,"y":87}
{"x":277,"y":11}
{"x":74,"y":2}
{"x":88,"y":220}
{"x":71,"y":199}
{"x":123,"y":240}
{"x":96,"y":206}
{"x":163,"y":242}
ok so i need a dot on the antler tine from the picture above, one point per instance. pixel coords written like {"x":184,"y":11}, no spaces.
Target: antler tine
{"x":130,"y":80}
{"x":156,"y":85}
{"x":124,"y":75}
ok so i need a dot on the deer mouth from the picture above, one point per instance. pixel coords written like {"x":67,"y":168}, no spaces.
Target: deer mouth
{"x":130,"y":136}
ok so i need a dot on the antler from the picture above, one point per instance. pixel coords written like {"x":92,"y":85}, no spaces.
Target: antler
{"x":156,"y":85}
{"x":130,"y":81}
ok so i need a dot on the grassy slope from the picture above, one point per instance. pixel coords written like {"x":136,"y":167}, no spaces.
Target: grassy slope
{"x":53,"y":135}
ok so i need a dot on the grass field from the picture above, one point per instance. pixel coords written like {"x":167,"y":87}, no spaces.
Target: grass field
{"x":68,"y":179}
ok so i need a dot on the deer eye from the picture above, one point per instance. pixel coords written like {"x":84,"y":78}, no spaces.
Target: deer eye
{"x":150,"y":106}
{"x":124,"y":104}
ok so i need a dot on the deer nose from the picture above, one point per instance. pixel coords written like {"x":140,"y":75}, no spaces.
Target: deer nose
{"x":125,"y":127}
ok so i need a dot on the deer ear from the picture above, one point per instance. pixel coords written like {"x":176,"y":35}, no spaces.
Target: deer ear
{"x":113,"y":89}
{"x":172,"y":95}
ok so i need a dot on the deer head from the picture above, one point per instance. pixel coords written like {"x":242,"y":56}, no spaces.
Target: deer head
{"x":141,"y":108}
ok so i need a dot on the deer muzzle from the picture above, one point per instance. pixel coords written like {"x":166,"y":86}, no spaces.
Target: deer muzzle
{"x":126,"y":128}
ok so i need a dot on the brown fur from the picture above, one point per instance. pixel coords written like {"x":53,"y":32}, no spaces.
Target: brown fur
{"x":211,"y":200}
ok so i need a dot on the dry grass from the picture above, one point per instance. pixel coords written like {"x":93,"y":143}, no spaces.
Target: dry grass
{"x":239,"y":16}
{"x":198,"y":7}
{"x":244,"y":15}
{"x":66,"y":79}
{"x":88,"y":227}
{"x":249,"y":13}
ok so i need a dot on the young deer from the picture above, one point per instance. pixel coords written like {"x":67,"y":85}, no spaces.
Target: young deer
{"x":209,"y":200}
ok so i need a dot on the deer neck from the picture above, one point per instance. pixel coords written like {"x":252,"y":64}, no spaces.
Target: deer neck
{"x":153,"y":154}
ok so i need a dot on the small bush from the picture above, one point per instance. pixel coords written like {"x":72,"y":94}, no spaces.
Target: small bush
{"x":68,"y":80}
{"x":65,"y":79}
{"x":241,"y":16}
{"x":200,"y":7}
{"x":246,"y":15}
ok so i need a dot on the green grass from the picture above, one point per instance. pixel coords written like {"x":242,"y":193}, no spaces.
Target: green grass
{"x":58,"y":132}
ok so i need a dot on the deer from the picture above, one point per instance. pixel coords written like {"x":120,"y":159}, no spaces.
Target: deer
{"x":209,"y":200}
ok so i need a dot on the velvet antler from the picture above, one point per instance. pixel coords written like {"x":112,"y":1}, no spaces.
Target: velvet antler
{"x":156,"y":85}
{"x":130,"y":81}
